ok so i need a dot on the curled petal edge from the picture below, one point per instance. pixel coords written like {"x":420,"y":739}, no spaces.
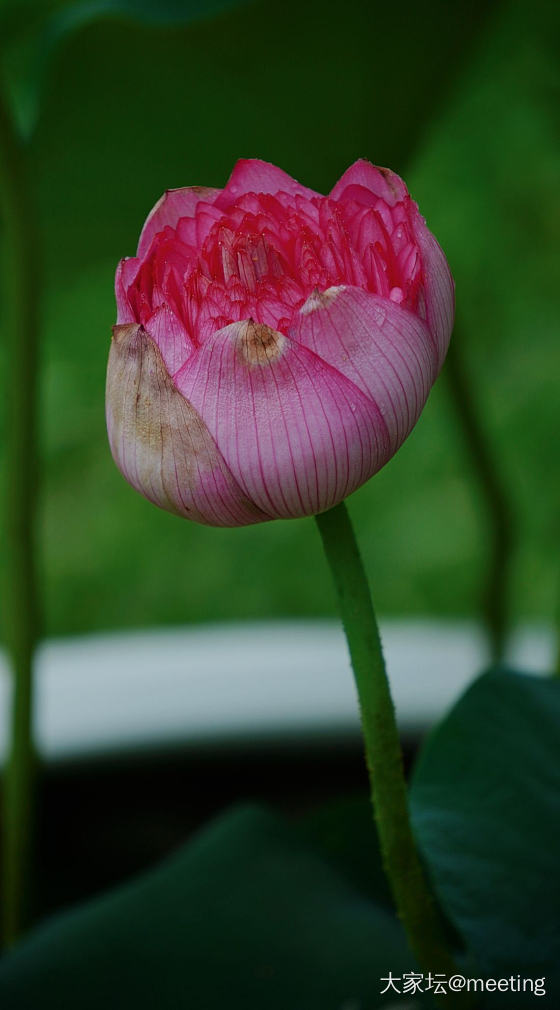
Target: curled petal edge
{"x":126,"y":272}
{"x":380,"y":182}
{"x":251,"y":175}
{"x":170,"y":208}
{"x":439,"y":287}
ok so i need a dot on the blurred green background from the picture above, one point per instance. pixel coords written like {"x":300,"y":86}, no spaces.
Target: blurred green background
{"x":463,"y":100}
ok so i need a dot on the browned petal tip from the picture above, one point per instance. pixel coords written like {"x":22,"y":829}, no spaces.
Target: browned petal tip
{"x":125,"y":331}
{"x":389,"y":177}
{"x":203,"y":190}
{"x":320,"y":299}
{"x":260,"y":344}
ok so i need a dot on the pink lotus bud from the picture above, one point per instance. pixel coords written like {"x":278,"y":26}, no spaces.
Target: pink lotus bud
{"x":274,"y":347}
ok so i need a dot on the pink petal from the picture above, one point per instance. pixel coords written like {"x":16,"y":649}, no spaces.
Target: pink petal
{"x":170,"y":208}
{"x":439,"y":288}
{"x":253,"y":176}
{"x":126,"y":272}
{"x":383,"y":348}
{"x":379,"y":181}
{"x":297,"y":435}
{"x":171,"y":337}
{"x":159,"y":441}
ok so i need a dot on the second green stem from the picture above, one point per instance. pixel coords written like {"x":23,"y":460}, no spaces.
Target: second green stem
{"x":497,"y":508}
{"x":20,"y":262}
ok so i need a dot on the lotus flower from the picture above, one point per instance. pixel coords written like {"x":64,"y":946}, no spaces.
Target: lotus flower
{"x":274,"y":347}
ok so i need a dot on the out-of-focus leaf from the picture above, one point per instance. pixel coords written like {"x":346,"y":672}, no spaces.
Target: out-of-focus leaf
{"x":344,"y":831}
{"x":32,"y":33}
{"x":486,"y":808}
{"x":487,"y":179}
{"x":246,"y":917}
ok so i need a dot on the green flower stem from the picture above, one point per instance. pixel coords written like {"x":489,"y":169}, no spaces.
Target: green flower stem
{"x":498,"y":512}
{"x":21,"y":323}
{"x":415,"y":905}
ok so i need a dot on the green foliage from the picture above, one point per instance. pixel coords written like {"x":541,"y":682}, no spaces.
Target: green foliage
{"x":33,"y":31}
{"x":486,"y":814}
{"x":255,"y":912}
{"x":246,"y":916}
{"x":486,"y":176}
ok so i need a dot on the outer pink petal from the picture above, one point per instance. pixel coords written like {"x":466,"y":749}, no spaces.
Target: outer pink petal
{"x":439,"y":287}
{"x":161,"y":444}
{"x":379,"y":181}
{"x":126,"y":272}
{"x":170,"y":208}
{"x":297,"y":435}
{"x":253,"y":176}
{"x":385,"y":349}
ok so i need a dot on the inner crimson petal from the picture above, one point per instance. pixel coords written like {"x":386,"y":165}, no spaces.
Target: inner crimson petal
{"x":266,"y":254}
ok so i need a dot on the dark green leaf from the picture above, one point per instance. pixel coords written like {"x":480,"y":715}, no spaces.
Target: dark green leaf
{"x":486,"y":808}
{"x":246,"y":917}
{"x":344,"y":831}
